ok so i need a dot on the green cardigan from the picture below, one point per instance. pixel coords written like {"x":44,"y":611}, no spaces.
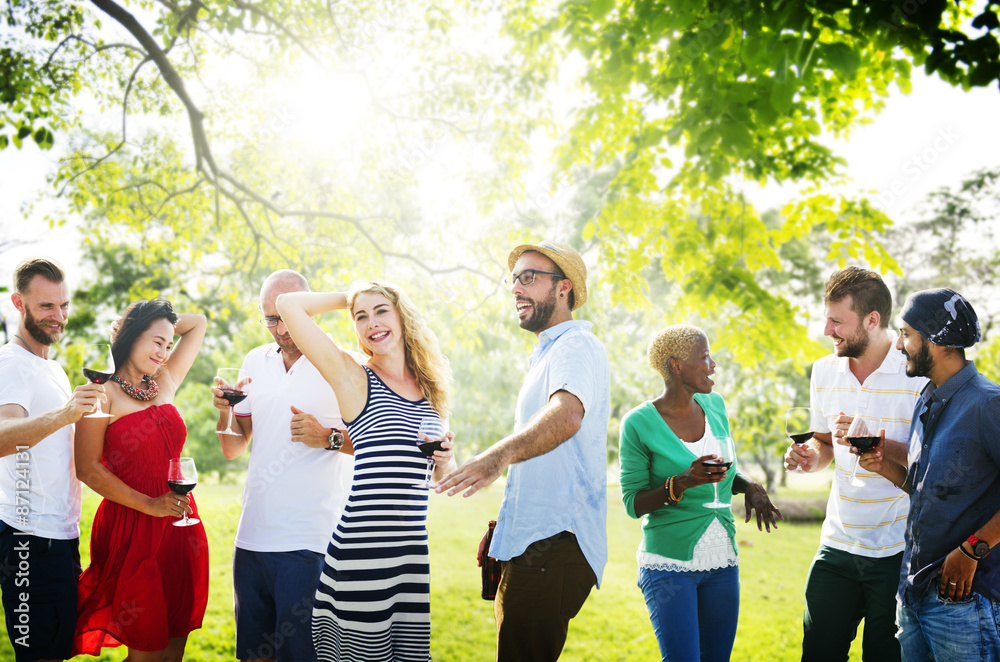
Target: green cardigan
{"x":650,"y":452}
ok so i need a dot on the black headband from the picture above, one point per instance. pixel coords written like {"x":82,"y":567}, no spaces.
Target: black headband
{"x":943,"y":317}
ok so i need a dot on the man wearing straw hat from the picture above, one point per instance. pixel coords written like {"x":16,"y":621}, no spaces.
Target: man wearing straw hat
{"x":551,"y":530}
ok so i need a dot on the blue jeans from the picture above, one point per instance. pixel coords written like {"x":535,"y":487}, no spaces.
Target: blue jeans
{"x":273,"y":593}
{"x":694,"y":613}
{"x":935,"y":628}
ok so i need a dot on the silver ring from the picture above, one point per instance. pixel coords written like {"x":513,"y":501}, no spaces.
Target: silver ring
{"x":952,"y":584}
{"x":178,"y":503}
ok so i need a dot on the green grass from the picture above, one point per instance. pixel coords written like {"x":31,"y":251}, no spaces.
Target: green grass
{"x":613,"y":624}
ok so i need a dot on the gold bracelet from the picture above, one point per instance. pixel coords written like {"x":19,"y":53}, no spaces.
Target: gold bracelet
{"x":671,"y":489}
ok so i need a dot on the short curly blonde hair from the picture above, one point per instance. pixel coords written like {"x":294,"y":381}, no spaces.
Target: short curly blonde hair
{"x":673,"y":342}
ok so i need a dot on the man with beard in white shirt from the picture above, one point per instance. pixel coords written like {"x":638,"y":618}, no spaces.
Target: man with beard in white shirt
{"x":855,"y":572}
{"x":40,"y":496}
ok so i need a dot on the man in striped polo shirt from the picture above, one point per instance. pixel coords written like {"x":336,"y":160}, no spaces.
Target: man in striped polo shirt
{"x":855,"y":572}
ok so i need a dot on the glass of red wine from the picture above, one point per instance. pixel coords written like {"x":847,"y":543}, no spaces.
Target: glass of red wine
{"x":234,"y":391}
{"x":181,"y":479}
{"x":725,"y":449}
{"x":429,"y":438}
{"x":98,"y":367}
{"x":799,"y":427}
{"x":863,"y":434}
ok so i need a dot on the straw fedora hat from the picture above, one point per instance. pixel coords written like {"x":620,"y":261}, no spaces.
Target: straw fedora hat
{"x":565,"y":258}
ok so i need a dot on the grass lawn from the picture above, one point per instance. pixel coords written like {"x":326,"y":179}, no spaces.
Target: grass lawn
{"x":613,"y":624}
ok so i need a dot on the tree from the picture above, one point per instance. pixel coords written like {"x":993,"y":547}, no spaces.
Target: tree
{"x":954,"y":244}
{"x":693,"y":100}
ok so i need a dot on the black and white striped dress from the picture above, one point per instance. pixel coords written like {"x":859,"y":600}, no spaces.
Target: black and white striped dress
{"x":373,"y":599}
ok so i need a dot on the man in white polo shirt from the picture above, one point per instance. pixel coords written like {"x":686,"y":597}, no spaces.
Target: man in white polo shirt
{"x":40,"y":496}
{"x":855,"y":572}
{"x":297,"y":483}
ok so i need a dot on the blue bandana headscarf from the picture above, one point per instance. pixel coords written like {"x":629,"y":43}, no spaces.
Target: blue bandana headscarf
{"x":943,"y":317}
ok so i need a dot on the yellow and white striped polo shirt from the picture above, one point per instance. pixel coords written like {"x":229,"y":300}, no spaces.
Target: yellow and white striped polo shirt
{"x":869,"y":520}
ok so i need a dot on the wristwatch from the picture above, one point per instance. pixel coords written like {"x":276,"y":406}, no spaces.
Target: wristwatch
{"x":979,"y":547}
{"x":336,"y":440}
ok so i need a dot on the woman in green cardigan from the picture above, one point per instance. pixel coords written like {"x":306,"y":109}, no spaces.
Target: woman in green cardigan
{"x":688,"y":559}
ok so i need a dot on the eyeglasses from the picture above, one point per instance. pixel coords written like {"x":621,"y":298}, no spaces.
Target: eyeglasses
{"x":527,"y":277}
{"x":267,"y":322}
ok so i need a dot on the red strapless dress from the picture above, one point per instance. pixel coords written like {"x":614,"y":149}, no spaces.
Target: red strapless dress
{"x":148,"y":580}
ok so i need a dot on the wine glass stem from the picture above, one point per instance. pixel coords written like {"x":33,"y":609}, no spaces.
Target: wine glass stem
{"x":229,"y":424}
{"x":857,"y":460}
{"x":430,"y":469}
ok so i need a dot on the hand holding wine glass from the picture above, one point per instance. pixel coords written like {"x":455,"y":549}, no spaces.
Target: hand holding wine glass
{"x":724,"y":449}
{"x":430,"y":437}
{"x":231,"y":384}
{"x":864,"y":434}
{"x":799,"y":428}
{"x":98,"y":367}
{"x":182,"y":477}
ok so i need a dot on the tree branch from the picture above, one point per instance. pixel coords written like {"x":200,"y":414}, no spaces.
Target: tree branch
{"x":203,"y":151}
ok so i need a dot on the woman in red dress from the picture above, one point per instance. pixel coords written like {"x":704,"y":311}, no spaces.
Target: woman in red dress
{"x":147,"y":584}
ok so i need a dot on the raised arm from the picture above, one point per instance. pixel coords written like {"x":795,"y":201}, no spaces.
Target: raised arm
{"x":89,"y":447}
{"x":559,"y":420}
{"x":18,"y":429}
{"x":191,"y":328}
{"x":338,"y":367}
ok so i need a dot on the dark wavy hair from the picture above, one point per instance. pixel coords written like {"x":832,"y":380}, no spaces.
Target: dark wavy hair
{"x":135,"y":321}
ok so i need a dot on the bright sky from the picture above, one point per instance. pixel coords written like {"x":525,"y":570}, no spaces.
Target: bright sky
{"x":931,"y":138}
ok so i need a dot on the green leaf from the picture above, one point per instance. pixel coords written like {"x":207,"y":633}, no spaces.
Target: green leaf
{"x":600,"y":8}
{"x":844,"y":59}
{"x":44,"y":138}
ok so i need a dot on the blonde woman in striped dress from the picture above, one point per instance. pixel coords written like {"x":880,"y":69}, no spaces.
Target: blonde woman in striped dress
{"x":373,"y":599}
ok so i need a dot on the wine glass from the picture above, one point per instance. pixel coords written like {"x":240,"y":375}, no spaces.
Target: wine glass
{"x":98,"y":367}
{"x":181,"y":479}
{"x":234,"y":391}
{"x":725,"y":449}
{"x":863,"y":434}
{"x":799,"y":427}
{"x":429,"y":438}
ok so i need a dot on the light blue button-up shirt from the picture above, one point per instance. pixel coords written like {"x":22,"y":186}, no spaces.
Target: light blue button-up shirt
{"x":566,"y":488}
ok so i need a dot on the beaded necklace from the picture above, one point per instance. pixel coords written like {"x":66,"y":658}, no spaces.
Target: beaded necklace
{"x":136,"y":393}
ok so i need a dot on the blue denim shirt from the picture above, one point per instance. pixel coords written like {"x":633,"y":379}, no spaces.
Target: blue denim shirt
{"x":566,"y":488}
{"x":954,"y":476}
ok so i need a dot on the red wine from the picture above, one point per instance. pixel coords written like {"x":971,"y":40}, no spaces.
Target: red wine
{"x":233,"y":397}
{"x":96,"y":376}
{"x":717,"y":463}
{"x":428,"y":448}
{"x":864,"y":444}
{"x":802,"y":437}
{"x":181,"y":486}
{"x":490,"y":567}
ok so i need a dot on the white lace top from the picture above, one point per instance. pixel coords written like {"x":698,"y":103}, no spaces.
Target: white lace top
{"x":713,"y":550}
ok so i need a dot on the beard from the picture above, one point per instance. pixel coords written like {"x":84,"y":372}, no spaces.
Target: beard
{"x":541,"y":314}
{"x":922,"y":363}
{"x":855,"y":346}
{"x":40,"y":335}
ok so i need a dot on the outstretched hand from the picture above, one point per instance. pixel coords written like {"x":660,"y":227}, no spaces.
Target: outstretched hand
{"x":472,"y":476}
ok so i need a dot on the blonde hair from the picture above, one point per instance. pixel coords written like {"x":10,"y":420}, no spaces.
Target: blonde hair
{"x":422,"y":351}
{"x":673,"y":342}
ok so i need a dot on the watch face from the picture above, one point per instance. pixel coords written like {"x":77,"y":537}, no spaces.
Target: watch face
{"x":981,"y":548}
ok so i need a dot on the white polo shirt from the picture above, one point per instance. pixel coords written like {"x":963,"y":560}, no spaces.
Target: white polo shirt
{"x":869,"y":520}
{"x":294,"y":494}
{"x":39,"y":492}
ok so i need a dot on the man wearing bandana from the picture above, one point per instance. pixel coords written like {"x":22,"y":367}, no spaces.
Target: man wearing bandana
{"x":949,"y":590}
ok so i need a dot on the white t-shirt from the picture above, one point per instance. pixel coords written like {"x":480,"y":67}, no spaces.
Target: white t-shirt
{"x":869,"y":520}
{"x":39,"y":492}
{"x":294,"y":494}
